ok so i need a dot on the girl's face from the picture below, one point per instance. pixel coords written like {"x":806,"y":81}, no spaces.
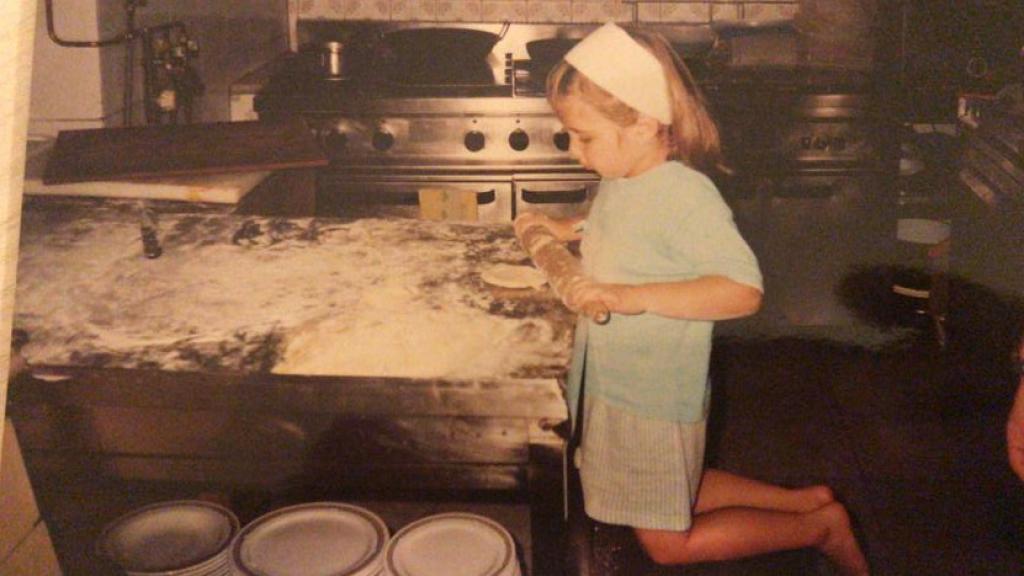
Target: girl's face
{"x":606,"y":147}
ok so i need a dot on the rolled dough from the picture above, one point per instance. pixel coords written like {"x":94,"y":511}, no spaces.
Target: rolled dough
{"x":509,"y":276}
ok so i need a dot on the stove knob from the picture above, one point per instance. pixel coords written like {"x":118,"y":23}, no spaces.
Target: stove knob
{"x":821,"y":143}
{"x":383,"y":140}
{"x":518,"y":140}
{"x":335,"y":141}
{"x":474,"y":141}
{"x":562,"y":140}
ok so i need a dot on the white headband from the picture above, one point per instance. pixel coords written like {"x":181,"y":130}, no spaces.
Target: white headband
{"x":613,"y":60}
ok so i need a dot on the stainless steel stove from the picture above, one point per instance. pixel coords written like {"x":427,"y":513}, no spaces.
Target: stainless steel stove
{"x":479,"y":125}
{"x":490,"y":134}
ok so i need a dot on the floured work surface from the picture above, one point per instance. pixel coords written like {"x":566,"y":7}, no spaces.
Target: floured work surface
{"x":373,"y":297}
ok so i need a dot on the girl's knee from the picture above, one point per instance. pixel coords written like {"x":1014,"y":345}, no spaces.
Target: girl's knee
{"x":836,"y":514}
{"x":822,"y":494}
{"x":665,"y":548}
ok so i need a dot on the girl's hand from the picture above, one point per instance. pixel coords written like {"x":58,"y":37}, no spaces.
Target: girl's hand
{"x":530,"y":219}
{"x":563,"y":230}
{"x":1015,"y":424}
{"x":617,"y":298}
{"x":1015,"y":433}
{"x":703,"y":298}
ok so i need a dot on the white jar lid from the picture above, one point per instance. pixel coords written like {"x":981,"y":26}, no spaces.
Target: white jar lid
{"x":921,"y":230}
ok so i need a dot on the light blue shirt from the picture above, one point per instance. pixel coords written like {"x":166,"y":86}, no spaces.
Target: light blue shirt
{"x":668,"y":224}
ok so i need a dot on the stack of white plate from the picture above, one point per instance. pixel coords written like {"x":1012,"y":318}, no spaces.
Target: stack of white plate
{"x":176,"y":538}
{"x":452,"y":544}
{"x":316,"y":539}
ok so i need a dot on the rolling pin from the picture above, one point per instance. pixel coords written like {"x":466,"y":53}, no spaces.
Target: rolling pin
{"x":561,"y":268}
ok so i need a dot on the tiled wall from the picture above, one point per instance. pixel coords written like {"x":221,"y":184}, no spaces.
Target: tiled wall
{"x":542,"y":11}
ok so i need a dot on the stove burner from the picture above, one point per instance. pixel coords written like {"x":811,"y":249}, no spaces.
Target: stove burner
{"x":471,"y":79}
{"x":451,"y":91}
{"x":443,"y":73}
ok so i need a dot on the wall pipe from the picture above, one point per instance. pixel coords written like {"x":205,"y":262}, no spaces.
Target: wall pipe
{"x":127,"y":37}
{"x":128,"y":34}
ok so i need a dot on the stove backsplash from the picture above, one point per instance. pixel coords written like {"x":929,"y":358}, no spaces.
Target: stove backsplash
{"x":821,"y":33}
{"x":543,"y":11}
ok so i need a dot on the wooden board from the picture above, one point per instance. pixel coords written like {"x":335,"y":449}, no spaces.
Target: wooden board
{"x":215,"y":188}
{"x":448,"y":204}
{"x":180,"y":150}
{"x":34,"y":556}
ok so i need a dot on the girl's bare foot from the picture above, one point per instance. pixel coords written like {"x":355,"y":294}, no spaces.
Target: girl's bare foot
{"x":839,"y":544}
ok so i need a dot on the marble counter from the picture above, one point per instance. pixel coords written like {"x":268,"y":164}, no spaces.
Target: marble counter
{"x":261,"y":354}
{"x":369,"y":297}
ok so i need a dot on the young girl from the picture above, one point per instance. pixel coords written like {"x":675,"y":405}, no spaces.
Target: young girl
{"x":663,"y":255}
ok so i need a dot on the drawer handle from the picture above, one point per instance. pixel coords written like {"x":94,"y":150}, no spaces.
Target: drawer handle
{"x":577,"y":196}
{"x":488,"y":197}
{"x":413,"y":198}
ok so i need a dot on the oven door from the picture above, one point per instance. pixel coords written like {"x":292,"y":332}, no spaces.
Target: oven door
{"x":822,"y":232}
{"x":376,"y":196}
{"x":558,"y":196}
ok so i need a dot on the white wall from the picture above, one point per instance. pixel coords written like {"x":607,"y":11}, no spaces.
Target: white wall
{"x":16,"y":30}
{"x":67,"y":83}
{"x":83,"y":87}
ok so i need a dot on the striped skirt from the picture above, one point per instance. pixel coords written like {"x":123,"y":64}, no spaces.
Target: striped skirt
{"x":637,"y":471}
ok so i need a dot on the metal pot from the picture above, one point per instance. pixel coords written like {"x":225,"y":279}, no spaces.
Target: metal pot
{"x":415,"y":48}
{"x":332,"y":59}
{"x":545,"y":53}
{"x":549,"y":50}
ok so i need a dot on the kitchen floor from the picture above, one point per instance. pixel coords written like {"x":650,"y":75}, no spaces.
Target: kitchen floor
{"x":909,"y":434}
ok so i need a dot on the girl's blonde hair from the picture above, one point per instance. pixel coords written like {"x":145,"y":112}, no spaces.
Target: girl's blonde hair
{"x":693,"y":136}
